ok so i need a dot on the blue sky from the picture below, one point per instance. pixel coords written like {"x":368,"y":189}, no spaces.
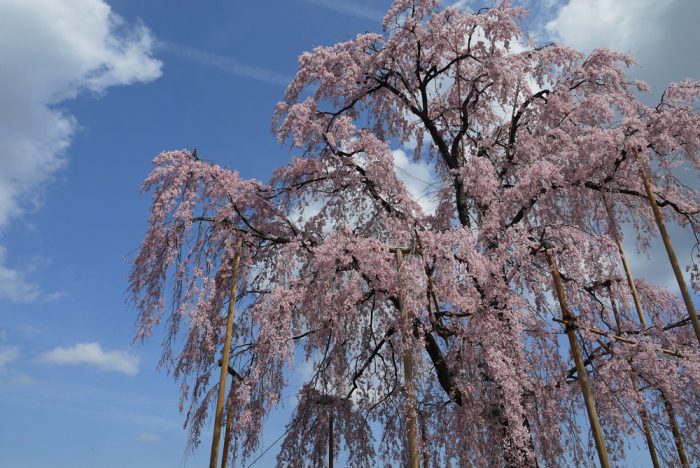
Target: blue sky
{"x":79,"y":130}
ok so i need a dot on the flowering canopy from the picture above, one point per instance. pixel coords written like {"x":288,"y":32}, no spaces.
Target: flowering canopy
{"x":530,"y":144}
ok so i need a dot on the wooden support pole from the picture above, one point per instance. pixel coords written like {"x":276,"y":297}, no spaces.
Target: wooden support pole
{"x":408,"y":378}
{"x":644,"y":416}
{"x":229,"y":423}
{"x":647,"y":429}
{"x":225,"y":358}
{"x":632,"y":285}
{"x":580,"y":366}
{"x":675,"y":431}
{"x":667,"y":404}
{"x":692,"y":313}
{"x":615,"y":232}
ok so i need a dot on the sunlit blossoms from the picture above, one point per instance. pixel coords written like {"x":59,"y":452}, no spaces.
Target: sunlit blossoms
{"x":534,"y":148}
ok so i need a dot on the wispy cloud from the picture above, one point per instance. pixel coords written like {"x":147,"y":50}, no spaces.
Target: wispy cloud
{"x":22,"y":379}
{"x":7,"y":355}
{"x":29,"y":330}
{"x":148,"y":414}
{"x":226,"y":64}
{"x":16,"y":285}
{"x":148,"y":438}
{"x":418,"y":178}
{"x":92,"y":354}
{"x":345,"y":8}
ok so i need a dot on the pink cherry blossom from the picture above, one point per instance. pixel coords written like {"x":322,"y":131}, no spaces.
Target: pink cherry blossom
{"x":526,"y":143}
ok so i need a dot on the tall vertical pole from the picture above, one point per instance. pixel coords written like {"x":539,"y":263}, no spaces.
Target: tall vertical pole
{"x":229,"y":422}
{"x":632,"y":285}
{"x":642,"y":409}
{"x":692,"y":313}
{"x":568,"y":318}
{"x":408,"y":377}
{"x":225,"y":358}
{"x":675,"y":431}
{"x":642,"y":320}
{"x":667,"y":404}
{"x":645,"y":426}
{"x":615,"y":232}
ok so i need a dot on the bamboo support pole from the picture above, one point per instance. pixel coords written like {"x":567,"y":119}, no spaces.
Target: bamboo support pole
{"x":692,"y":313}
{"x":644,"y":416}
{"x":580,"y":367}
{"x":647,"y":430}
{"x":229,"y":423}
{"x":667,"y":404}
{"x":640,"y":313}
{"x":675,"y":431}
{"x":632,"y":285}
{"x":628,"y":272}
{"x":225,"y":358}
{"x":408,"y":377}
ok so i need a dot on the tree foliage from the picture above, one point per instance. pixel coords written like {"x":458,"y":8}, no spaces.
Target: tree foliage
{"x":529,"y":144}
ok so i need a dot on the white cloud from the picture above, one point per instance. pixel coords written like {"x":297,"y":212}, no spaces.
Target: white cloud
{"x":305,"y":370}
{"x":29,"y":330}
{"x":14,"y":285}
{"x":148,"y":438}
{"x":53,"y":50}
{"x":7,"y":355}
{"x":22,"y":379}
{"x":660,"y":33}
{"x":419,"y":179}
{"x":92,"y":354}
{"x":587,"y":24}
